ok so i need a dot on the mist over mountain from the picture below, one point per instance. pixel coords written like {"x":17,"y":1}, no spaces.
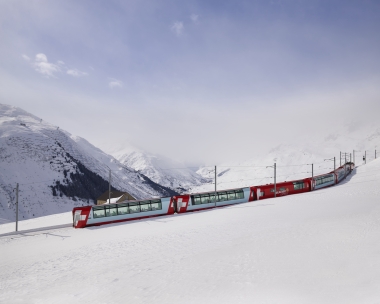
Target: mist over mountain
{"x":55,"y":170}
{"x":162,"y":170}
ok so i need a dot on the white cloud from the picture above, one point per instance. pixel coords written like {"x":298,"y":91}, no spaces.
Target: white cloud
{"x":41,"y":65}
{"x":60,"y":62}
{"x":76,"y":73}
{"x":194,"y":18}
{"x":114,"y":83}
{"x":177,"y":28}
{"x":25,"y":57}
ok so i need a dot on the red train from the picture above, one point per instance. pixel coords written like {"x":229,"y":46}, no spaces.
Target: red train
{"x":133,"y":210}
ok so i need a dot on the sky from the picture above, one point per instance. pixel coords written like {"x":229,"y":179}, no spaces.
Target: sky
{"x":197,"y":81}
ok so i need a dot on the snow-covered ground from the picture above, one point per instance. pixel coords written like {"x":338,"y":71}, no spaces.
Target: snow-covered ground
{"x":319,"y":247}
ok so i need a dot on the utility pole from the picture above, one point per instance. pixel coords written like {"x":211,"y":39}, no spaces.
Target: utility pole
{"x":375,"y":153}
{"x":274,"y":179}
{"x":353,"y":154}
{"x":312,"y":171}
{"x":109,"y":188}
{"x":340,"y":157}
{"x":17,"y":207}
{"x":365,"y":157}
{"x":215,"y":186}
{"x":350,"y":158}
{"x":334,"y":163}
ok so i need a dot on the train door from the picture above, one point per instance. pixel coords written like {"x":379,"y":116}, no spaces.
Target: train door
{"x":175,"y":204}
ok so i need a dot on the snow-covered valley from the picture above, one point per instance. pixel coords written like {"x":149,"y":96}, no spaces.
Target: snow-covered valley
{"x":317,"y":247}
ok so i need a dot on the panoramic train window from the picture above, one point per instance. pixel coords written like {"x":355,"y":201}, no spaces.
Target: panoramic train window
{"x":205,"y":199}
{"x":196,"y":200}
{"x":239,"y":194}
{"x":134,"y":207}
{"x":222,"y":196}
{"x":298,"y":185}
{"x":110,"y":210}
{"x":212,"y":198}
{"x":98,"y":212}
{"x":231,"y":195}
{"x":122,"y":209}
{"x":145,"y":206}
{"x":156,"y":205}
{"x":324,"y":180}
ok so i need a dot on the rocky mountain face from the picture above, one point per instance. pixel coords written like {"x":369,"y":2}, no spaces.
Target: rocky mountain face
{"x":57,"y":171}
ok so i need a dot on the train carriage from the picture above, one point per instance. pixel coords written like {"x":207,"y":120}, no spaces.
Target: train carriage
{"x":282,"y":189}
{"x":324,"y":180}
{"x":120,"y":212}
{"x":201,"y":201}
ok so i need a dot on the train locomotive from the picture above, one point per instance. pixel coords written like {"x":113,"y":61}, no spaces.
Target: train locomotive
{"x":133,"y":210}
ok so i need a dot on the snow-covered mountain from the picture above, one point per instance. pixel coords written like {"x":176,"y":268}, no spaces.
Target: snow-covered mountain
{"x":162,"y":170}
{"x":56,"y":170}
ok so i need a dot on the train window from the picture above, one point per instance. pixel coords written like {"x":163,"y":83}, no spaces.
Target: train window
{"x":212,"y":197}
{"x":196,"y":200}
{"x":282,"y":189}
{"x":134,"y":207}
{"x":222,"y":196}
{"x":122,"y":209}
{"x":231,"y":195}
{"x":156,"y":205}
{"x":298,"y":185}
{"x":205,"y":199}
{"x":111,"y":211}
{"x":98,"y":212}
{"x":145,"y":206}
{"x":239,"y":194}
{"x":272,"y":190}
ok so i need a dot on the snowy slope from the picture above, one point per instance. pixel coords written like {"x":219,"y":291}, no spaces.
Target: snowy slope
{"x":162,"y":170}
{"x":318,"y":247}
{"x":56,"y":170}
{"x":294,"y":161}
